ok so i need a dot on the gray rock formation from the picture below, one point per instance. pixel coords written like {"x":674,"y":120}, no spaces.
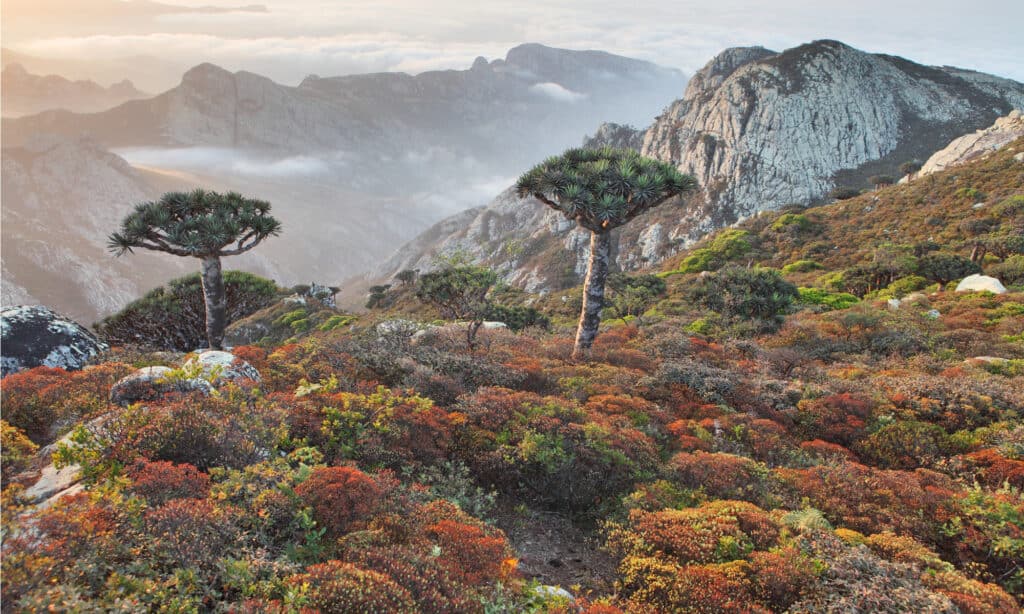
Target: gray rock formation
{"x":34,"y":336}
{"x":615,"y":135}
{"x":976,"y":144}
{"x":152,"y":384}
{"x":220,"y":368}
{"x":759,"y":130}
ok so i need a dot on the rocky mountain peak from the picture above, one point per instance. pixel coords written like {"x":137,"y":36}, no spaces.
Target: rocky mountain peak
{"x":203,"y":75}
{"x":721,"y":66}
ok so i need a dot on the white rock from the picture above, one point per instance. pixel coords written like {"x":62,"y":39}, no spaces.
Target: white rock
{"x":992,"y":360}
{"x":151,"y":384}
{"x":547,"y":591}
{"x":970,"y":146}
{"x":980,"y":283}
{"x":220,"y":367}
{"x":894,"y":304}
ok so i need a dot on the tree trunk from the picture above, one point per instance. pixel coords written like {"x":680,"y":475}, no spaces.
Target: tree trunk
{"x":593,"y":294}
{"x":216,"y":302}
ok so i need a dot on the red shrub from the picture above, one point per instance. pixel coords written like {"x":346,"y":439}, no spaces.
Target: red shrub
{"x":474,"y":556}
{"x":840,"y":418}
{"x":30,"y":400}
{"x":781,"y":577}
{"x":426,"y":577}
{"x":827,"y":451}
{"x":714,"y":589}
{"x":723,"y":476}
{"x":162,"y":481}
{"x":343,"y":588}
{"x":341,"y":497}
{"x":871,"y":500}
{"x":995,"y":469}
{"x":192,"y":533}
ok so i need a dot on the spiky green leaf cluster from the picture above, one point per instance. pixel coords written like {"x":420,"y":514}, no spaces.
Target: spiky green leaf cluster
{"x":198,"y":223}
{"x":603,"y":188}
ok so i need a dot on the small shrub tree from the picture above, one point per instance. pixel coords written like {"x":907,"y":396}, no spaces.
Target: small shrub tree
{"x":601,"y":189}
{"x":944,"y":268}
{"x":737,"y":293}
{"x":460,"y":293}
{"x":204,"y":225}
{"x":880,"y":180}
{"x":910,"y":167}
{"x":632,"y":295}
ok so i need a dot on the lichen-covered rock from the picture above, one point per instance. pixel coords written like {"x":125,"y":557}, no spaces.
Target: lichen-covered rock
{"x":219,"y":368}
{"x":980,"y":283}
{"x":970,"y":146}
{"x":36,"y":336}
{"x":152,"y":384}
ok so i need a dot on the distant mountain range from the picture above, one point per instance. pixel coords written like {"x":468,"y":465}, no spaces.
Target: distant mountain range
{"x":25,"y":93}
{"x":354,"y":165}
{"x":758,"y":129}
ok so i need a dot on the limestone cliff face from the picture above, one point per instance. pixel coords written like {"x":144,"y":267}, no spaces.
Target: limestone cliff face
{"x":976,"y":144}
{"x":759,"y":130}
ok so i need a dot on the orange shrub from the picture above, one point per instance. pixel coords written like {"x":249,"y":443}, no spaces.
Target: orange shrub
{"x":162,"y":481}
{"x":335,"y":587}
{"x":723,"y":476}
{"x":341,"y":497}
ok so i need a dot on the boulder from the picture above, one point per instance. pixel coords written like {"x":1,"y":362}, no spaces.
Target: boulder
{"x":546,"y":591}
{"x":34,"y":336}
{"x":151,"y":384}
{"x":980,"y":283}
{"x":219,"y":368}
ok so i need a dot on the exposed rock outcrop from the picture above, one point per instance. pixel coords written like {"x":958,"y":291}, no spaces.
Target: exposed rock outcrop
{"x":970,"y":146}
{"x":760,"y":130}
{"x":36,"y":336}
{"x":980,"y":283}
{"x":220,"y":368}
{"x":153,"y":383}
{"x":615,"y":135}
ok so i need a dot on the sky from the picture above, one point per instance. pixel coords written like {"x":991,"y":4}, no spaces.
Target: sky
{"x":289,"y":39}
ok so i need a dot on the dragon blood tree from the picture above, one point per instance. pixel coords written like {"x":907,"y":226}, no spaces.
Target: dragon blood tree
{"x":601,"y":189}
{"x":204,"y":225}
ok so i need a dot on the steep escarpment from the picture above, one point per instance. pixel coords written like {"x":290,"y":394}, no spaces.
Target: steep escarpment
{"x":777,"y":129}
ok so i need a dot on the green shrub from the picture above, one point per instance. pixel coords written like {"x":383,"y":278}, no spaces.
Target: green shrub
{"x":832,"y":300}
{"x":727,"y":245}
{"x":173,"y":317}
{"x":801,"y":266}
{"x":759,"y":295}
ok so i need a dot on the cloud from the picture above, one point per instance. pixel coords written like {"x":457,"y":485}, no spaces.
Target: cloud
{"x":557,"y":92}
{"x":231,"y":161}
{"x":297,"y":37}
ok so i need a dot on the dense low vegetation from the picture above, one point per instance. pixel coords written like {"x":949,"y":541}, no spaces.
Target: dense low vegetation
{"x":741,"y":439}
